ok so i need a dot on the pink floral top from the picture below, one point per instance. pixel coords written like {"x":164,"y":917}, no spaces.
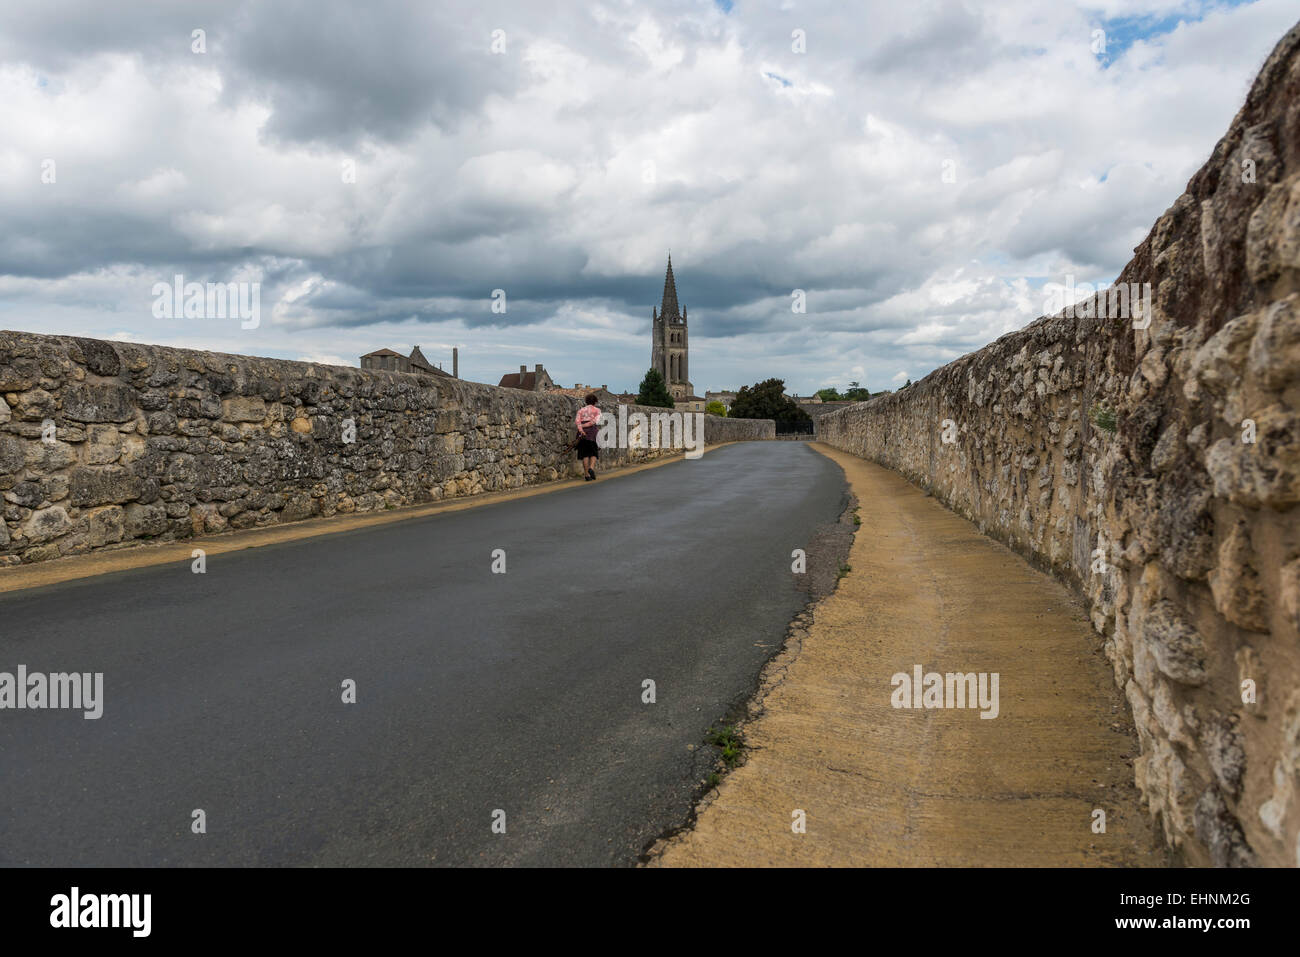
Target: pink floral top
{"x":588,"y":420}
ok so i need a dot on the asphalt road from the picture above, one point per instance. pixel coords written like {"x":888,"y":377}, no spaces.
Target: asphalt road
{"x":475,"y":692}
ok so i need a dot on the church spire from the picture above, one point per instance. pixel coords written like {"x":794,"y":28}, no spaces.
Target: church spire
{"x":669,"y":307}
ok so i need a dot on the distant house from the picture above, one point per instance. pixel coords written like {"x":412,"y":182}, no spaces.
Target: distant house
{"x":726,"y":398}
{"x":416,"y":363}
{"x":689,"y":403}
{"x":420,"y":364}
{"x":385,"y":359}
{"x":536,"y":381}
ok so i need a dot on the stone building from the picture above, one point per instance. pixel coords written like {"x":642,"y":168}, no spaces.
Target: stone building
{"x":536,"y":381}
{"x":390,"y":361}
{"x":669,"y":350}
{"x":726,"y":398}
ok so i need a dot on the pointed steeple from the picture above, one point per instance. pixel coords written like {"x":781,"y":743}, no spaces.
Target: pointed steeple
{"x":669,"y":307}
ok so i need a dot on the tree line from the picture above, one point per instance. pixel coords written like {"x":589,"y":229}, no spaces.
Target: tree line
{"x":763,"y":400}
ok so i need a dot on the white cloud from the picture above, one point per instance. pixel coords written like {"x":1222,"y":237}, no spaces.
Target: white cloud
{"x":525,"y":171}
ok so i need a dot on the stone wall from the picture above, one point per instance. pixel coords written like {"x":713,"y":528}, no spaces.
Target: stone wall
{"x":1157,"y":470}
{"x":718,"y":429}
{"x":104,"y":443}
{"x":816,"y":410}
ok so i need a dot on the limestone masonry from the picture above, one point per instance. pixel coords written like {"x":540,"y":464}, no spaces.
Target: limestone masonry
{"x":1158,"y":470}
{"x":103,"y":443}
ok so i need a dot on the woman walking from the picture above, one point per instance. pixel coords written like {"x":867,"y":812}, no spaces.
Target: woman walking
{"x":588,"y":421}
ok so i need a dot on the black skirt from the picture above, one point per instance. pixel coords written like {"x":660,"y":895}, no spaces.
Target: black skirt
{"x":588,"y":449}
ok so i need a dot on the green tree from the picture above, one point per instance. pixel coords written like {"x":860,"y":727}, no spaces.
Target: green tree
{"x":857,"y":394}
{"x":767,"y":400}
{"x":654,"y":392}
{"x":716,"y":408}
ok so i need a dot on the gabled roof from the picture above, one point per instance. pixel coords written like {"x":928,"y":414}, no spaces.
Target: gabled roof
{"x":519,"y":380}
{"x":382,"y":352}
{"x":418,"y":359}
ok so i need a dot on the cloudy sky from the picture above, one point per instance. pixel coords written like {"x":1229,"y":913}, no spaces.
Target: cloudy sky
{"x":920,"y":169}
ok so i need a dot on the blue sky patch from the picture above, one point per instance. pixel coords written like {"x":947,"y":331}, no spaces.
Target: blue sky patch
{"x":1123,"y":32}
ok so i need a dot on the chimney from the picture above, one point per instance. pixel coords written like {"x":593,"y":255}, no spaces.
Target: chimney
{"x":523,"y":369}
{"x":455,"y":363}
{"x":539,"y":368}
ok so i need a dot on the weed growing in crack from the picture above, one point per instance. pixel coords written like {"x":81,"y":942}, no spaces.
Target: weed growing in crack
{"x":727,"y":742}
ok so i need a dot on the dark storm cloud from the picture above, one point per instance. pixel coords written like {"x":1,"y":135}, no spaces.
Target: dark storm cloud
{"x":57,"y":35}
{"x":75,"y":240}
{"x":341,"y":73}
{"x":334,"y":73}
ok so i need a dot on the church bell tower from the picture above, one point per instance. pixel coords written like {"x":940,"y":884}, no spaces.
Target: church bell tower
{"x":670,"y":347}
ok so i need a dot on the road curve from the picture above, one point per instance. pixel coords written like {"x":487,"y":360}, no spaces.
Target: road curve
{"x":475,"y":692}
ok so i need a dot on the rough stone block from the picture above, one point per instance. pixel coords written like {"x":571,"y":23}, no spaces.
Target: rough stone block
{"x":105,"y":525}
{"x":145,"y":521}
{"x":103,"y":485}
{"x":99,"y":402}
{"x":46,"y":524}
{"x":243,"y":409}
